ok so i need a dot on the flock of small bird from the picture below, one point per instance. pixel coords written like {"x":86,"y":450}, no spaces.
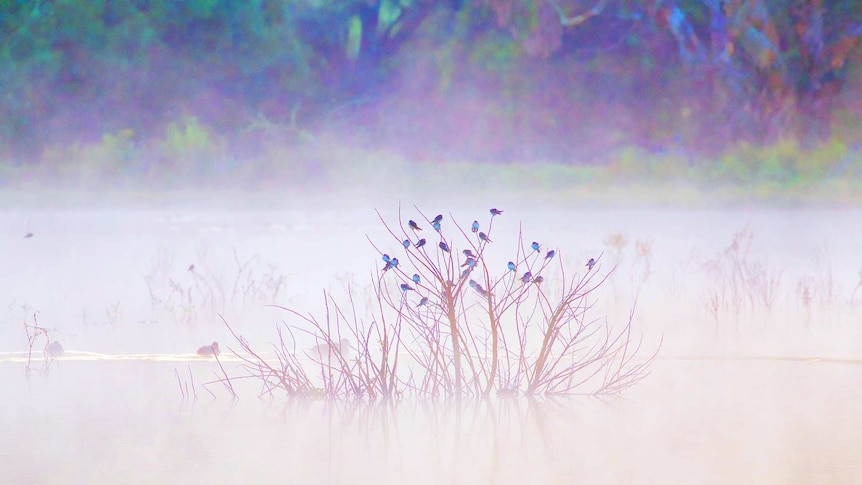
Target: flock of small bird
{"x":470,"y":261}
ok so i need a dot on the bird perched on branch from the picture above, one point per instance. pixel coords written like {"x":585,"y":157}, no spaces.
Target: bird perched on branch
{"x":475,"y":226}
{"x":550,"y":254}
{"x":484,"y":237}
{"x":420,"y":243}
{"x":495,"y":212}
{"x":209,"y":350}
{"x":444,"y":246}
{"x":469,"y":253}
{"x":412,"y":224}
{"x":511,"y":266}
{"x":422,"y":302}
{"x":405,"y":287}
{"x":590,"y":264}
{"x":535,"y":246}
{"x":527,"y":277}
{"x":406,"y":243}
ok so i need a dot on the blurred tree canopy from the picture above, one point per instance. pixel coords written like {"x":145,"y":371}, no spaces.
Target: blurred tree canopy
{"x":560,"y":77}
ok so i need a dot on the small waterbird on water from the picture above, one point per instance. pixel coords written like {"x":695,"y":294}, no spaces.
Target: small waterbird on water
{"x":330,"y":349}
{"x":209,"y":350}
{"x":54,"y":349}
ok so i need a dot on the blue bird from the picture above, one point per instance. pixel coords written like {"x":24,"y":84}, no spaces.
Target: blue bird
{"x":495,"y":212}
{"x":466,"y":272}
{"x":386,"y":258}
{"x":406,"y":243}
{"x":535,"y":246}
{"x":422,"y":302}
{"x":444,"y":246}
{"x":394,"y":262}
{"x":511,"y":266}
{"x":484,"y":237}
{"x":538,"y":279}
{"x":420,"y":243}
{"x":406,"y":287}
{"x":413,"y":225}
{"x":590,"y":264}
{"x":416,"y":278}
{"x":550,"y":254}
{"x":469,"y":262}
{"x":469,"y":253}
{"x":438,"y":218}
{"x":388,"y":266}
{"x":436,"y":226}
{"x":527,"y":277}
{"x":475,"y":226}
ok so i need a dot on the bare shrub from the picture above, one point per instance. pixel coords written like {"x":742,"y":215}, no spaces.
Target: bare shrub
{"x":451,"y":321}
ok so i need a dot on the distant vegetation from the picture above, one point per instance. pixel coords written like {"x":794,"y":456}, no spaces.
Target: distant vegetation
{"x":761,"y":91}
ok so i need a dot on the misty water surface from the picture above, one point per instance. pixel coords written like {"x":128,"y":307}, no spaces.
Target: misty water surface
{"x":716,"y":409}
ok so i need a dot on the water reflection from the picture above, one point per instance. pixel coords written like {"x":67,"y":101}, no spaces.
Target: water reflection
{"x":692,"y":422}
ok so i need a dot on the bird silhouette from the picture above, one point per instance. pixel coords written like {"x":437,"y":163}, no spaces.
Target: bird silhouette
{"x":484,"y":237}
{"x":444,"y":246}
{"x":406,"y":287}
{"x":386,"y":258}
{"x":590,"y":264}
{"x":535,"y":246}
{"x":511,"y":266}
{"x":495,"y":212}
{"x":28,"y":235}
{"x":538,"y":279}
{"x":469,"y":262}
{"x":475,"y":226}
{"x":527,"y":277}
{"x":550,"y":254}
{"x":420,"y":243}
{"x":438,"y":218}
{"x":54,"y":349}
{"x":416,"y":278}
{"x":422,"y":302}
{"x":191,"y":268}
{"x":209,"y":350}
{"x":436,"y":226}
{"x":476,"y":286}
{"x":413,"y":225}
{"x":406,"y":243}
{"x":469,"y":253}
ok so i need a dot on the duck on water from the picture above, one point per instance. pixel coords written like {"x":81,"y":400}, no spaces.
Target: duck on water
{"x":209,"y":350}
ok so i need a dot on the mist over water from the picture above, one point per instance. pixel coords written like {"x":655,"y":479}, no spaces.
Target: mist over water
{"x":748,"y":387}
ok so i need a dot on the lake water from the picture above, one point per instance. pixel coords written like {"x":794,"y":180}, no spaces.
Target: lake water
{"x":745,"y":394}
